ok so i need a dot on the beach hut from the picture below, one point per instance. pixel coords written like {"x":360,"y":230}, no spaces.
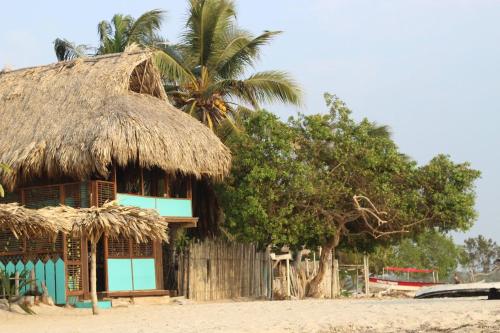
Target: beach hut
{"x":90,"y":131}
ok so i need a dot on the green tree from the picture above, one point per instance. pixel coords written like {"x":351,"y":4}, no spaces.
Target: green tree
{"x":364,"y":187}
{"x":210,"y":82}
{"x":116,"y":35}
{"x":206,"y":73}
{"x":428,"y":250}
{"x":259,"y":197}
{"x":480,"y":254}
{"x":327,"y":180}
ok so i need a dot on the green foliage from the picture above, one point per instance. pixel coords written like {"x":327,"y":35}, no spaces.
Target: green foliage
{"x":206,"y":71}
{"x":124,"y":30}
{"x":479,"y":254}
{"x":9,"y":290}
{"x":181,"y":240}
{"x":205,"y":74}
{"x":259,"y":196}
{"x":429,"y":250}
{"x":116,"y":35}
{"x":327,"y":180}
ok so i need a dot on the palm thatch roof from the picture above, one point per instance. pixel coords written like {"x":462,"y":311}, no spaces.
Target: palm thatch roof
{"x":134,"y":223}
{"x":76,"y":118}
{"x":27,"y":223}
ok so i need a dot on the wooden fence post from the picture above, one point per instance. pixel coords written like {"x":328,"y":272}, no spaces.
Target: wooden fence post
{"x":288,"y":293}
{"x":33,"y":280}
{"x":336,"y":278}
{"x":366,"y":271}
{"x":16,"y":283}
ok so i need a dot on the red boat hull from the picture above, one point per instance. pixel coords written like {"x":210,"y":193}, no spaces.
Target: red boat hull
{"x":378,"y":284}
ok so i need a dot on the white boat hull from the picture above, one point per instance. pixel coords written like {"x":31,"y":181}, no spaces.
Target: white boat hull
{"x":391,"y":285}
{"x":458,"y":290}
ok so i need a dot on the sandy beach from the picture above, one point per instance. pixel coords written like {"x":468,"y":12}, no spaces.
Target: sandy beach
{"x":345,"y":315}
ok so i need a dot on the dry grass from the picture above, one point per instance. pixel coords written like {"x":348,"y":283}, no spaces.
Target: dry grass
{"x":76,"y":118}
{"x":135,"y":223}
{"x":26,"y":223}
{"x":138,"y":224}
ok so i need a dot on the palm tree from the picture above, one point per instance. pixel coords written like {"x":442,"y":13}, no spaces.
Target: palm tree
{"x":123,"y":30}
{"x":116,"y":35}
{"x":205,"y":72}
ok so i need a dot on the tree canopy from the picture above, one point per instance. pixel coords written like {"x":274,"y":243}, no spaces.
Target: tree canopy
{"x":216,"y":55}
{"x":480,"y":254}
{"x":324,"y":179}
{"x":206,"y":73}
{"x":116,"y":35}
{"x":428,"y":250}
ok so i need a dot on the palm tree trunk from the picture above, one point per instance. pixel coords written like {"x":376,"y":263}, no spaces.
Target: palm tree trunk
{"x":93,"y":276}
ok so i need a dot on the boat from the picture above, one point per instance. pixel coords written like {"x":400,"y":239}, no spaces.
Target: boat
{"x":474,"y":289}
{"x":390,"y":280}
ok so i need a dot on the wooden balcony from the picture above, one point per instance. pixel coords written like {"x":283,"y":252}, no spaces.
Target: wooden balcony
{"x":98,"y":192}
{"x":175,"y":210}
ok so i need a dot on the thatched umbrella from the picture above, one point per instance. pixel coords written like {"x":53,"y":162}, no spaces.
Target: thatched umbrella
{"x":111,"y":220}
{"x":27,"y":223}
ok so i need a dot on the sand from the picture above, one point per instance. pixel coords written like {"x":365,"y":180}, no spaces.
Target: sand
{"x":344,"y":315}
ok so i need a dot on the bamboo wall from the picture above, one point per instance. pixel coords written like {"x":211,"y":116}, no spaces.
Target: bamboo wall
{"x":215,"y":270}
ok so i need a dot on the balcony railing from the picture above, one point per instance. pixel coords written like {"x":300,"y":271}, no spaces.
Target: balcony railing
{"x":168,"y":207}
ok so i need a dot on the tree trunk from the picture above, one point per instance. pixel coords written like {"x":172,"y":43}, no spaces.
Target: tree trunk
{"x":301,"y":274}
{"x":93,"y":276}
{"x":314,"y":289}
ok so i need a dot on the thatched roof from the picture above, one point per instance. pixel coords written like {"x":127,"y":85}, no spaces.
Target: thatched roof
{"x":27,"y":223}
{"x":113,"y":220}
{"x":75,"y":118}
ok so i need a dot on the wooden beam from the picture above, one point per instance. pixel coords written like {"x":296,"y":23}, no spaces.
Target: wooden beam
{"x":85,"y":266}
{"x":115,"y":181}
{"x":189,"y":189}
{"x":65,"y":259}
{"x":142,"y":181}
{"x":167,"y":185}
{"x":106,"y":256}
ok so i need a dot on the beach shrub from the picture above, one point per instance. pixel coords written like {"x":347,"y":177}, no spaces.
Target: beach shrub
{"x":12,"y":293}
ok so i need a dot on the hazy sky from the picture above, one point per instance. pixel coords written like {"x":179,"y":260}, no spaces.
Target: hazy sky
{"x":430,"y":69}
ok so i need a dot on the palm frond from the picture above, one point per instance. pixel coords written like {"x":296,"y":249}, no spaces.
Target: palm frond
{"x":171,"y":66}
{"x":65,"y":50}
{"x":143,"y":29}
{"x":122,"y":25}
{"x":105,"y":31}
{"x":262,"y":87}
{"x":241,"y":50}
{"x":227,"y":127}
{"x":207,"y":20}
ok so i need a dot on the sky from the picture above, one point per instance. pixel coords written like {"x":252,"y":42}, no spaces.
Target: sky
{"x":429,"y":69}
